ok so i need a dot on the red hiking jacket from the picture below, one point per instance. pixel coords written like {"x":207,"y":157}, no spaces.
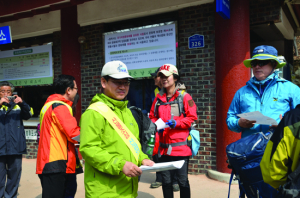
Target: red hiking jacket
{"x":183,"y":123}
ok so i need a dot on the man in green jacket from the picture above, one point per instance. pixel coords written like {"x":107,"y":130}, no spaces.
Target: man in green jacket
{"x":111,"y":168}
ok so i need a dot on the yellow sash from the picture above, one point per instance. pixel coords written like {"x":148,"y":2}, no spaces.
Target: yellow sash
{"x":130,"y":140}
{"x":46,"y":107}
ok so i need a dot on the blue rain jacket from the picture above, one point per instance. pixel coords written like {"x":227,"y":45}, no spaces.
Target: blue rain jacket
{"x":278,"y":97}
{"x":12,"y":134}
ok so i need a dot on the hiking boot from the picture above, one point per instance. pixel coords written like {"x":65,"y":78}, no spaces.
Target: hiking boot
{"x":176,"y":187}
{"x":155,"y":185}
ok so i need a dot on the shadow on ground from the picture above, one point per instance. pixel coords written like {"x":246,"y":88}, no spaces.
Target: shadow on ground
{"x":148,"y":177}
{"x":144,"y":195}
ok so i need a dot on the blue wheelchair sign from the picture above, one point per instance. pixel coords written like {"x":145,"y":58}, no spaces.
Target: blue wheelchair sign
{"x":196,"y":41}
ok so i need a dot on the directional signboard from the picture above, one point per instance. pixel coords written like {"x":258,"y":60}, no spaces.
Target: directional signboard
{"x":27,"y":66}
{"x":196,"y":41}
{"x":5,"y":35}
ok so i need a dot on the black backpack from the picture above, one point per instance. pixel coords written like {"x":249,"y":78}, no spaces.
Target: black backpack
{"x":291,"y":189}
{"x":146,"y":126}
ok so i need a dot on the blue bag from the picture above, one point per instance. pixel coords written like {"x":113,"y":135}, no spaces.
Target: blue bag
{"x":195,"y":141}
{"x":244,"y":156}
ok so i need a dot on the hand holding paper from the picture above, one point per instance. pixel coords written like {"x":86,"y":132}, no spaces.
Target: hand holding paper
{"x":258,"y":117}
{"x":131,"y":170}
{"x":148,"y":162}
{"x":275,"y":125}
{"x":244,"y":123}
{"x":160,"y":124}
{"x":163,"y":166}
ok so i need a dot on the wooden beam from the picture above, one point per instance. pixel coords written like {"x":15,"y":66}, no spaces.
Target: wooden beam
{"x":15,"y":6}
{"x":33,"y":12}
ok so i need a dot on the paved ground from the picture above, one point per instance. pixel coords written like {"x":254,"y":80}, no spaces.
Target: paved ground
{"x":201,"y":186}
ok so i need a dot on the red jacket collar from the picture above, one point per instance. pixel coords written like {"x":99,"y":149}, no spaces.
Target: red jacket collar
{"x":163,"y":97}
{"x":58,"y":97}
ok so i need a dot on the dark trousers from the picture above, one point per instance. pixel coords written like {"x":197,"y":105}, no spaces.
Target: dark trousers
{"x":10,"y":172}
{"x":182,"y":176}
{"x":158,"y":174}
{"x":71,"y":186}
{"x":53,"y":185}
{"x":58,"y":185}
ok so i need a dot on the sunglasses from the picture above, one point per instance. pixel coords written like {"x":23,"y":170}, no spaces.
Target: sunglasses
{"x":260,"y":63}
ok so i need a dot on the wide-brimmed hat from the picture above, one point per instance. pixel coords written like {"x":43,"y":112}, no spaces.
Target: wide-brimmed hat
{"x":264,"y":52}
{"x":168,"y":70}
{"x":155,"y":73}
{"x":115,"y":69}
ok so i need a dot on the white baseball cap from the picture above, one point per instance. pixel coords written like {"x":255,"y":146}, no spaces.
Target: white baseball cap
{"x":168,"y":70}
{"x":115,"y":69}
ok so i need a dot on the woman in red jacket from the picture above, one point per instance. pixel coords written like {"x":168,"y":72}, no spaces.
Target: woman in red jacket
{"x":172,"y":145}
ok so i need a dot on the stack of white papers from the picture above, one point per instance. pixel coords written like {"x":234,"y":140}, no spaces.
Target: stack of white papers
{"x":163,"y":166}
{"x":258,"y":117}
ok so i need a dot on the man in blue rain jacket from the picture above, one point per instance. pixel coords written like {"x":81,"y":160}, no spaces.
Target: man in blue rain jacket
{"x":13,"y":110}
{"x":265,"y":92}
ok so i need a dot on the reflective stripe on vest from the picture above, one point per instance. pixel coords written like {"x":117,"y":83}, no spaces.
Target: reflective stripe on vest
{"x":15,"y":108}
{"x":129,"y":139}
{"x":46,"y":107}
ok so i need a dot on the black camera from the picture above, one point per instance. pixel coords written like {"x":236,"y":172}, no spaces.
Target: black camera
{"x":11,"y":98}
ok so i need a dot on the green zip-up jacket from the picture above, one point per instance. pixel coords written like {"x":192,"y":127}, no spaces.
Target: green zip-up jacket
{"x":105,"y":153}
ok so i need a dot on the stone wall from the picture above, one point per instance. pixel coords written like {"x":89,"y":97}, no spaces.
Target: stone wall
{"x":198,"y":74}
{"x":32,"y":147}
{"x":92,"y":61}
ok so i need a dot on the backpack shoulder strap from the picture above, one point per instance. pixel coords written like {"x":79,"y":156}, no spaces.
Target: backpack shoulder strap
{"x":156,"y":106}
{"x":134,"y":107}
{"x":180,"y":102}
{"x":140,"y":113}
